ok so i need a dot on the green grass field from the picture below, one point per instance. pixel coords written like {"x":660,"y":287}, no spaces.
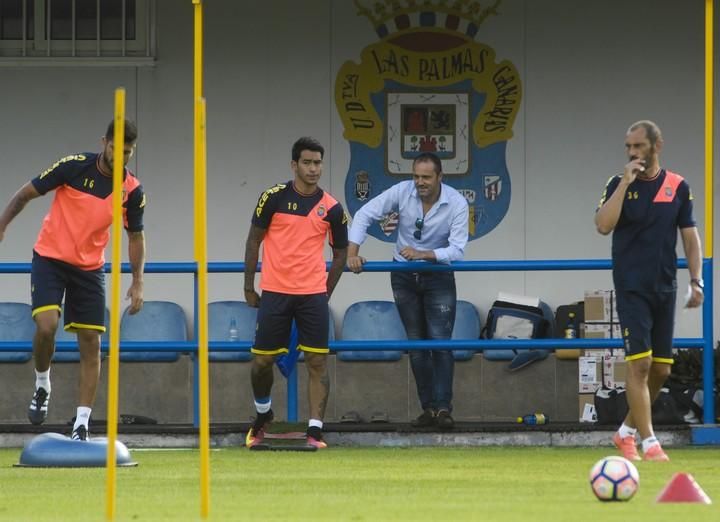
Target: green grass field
{"x":358,"y":484}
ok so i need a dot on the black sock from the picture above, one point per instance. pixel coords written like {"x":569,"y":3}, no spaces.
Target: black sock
{"x":314,"y":432}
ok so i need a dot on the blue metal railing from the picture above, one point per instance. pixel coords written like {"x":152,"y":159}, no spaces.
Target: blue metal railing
{"x":704,"y":342}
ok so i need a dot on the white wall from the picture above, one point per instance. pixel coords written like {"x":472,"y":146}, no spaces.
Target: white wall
{"x":588,"y":69}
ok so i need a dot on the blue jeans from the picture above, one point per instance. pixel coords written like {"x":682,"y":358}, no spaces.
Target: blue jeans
{"x":426,"y":302}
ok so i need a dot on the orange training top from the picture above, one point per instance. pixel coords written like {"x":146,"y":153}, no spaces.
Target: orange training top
{"x":77,"y":227}
{"x":296,"y":227}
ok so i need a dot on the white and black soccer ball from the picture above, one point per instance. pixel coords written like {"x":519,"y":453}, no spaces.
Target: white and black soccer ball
{"x":614,"y":478}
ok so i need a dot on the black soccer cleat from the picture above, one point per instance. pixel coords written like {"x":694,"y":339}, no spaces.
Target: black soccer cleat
{"x":37,"y":412}
{"x":80,"y":433}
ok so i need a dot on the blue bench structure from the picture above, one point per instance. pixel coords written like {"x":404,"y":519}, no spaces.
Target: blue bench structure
{"x":467,"y":326}
{"x":223,"y":314}
{"x":705,"y":342}
{"x":372,"y":320}
{"x":64,"y":336}
{"x":16,"y":324}
{"x":160,"y":321}
{"x":380,"y":320}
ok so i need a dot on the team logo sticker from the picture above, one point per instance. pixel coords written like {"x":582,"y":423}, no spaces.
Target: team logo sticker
{"x":389,"y":222}
{"x":362,"y":185}
{"x":427,"y":85}
{"x":493,"y":187}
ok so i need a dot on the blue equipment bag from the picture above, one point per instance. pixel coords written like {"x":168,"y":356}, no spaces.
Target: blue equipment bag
{"x":517,"y":320}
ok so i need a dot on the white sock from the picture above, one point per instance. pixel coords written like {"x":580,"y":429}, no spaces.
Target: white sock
{"x":42,"y":380}
{"x":83,"y":417}
{"x":650,"y":441}
{"x":626,"y":431}
{"x":263,"y":405}
{"x":315,"y":422}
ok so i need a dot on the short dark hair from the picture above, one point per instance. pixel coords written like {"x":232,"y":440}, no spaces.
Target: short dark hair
{"x":306,"y":143}
{"x":652,"y":131}
{"x":130,"y":132}
{"x":430,"y":157}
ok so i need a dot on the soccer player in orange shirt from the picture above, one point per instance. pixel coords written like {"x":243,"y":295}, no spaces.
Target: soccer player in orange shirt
{"x":69,"y":258}
{"x":291,"y":221}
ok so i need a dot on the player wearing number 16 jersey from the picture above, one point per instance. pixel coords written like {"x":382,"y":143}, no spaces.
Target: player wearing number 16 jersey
{"x":68,"y":260}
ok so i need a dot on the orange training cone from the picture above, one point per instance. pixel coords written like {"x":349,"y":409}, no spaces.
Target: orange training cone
{"x":683,"y":488}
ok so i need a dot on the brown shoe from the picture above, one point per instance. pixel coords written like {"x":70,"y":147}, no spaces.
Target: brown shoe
{"x":444,"y":421}
{"x":425,"y":420}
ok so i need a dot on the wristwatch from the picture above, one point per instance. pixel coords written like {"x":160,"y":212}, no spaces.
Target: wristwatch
{"x":699,"y":283}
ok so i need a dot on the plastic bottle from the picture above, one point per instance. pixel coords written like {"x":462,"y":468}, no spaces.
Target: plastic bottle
{"x":533,"y":419}
{"x":571,"y":327}
{"x":233,"y":331}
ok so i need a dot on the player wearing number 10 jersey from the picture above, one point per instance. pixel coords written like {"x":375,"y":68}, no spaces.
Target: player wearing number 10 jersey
{"x":292,"y":222}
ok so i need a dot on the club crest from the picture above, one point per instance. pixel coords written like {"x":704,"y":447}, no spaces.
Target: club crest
{"x":428,"y":86}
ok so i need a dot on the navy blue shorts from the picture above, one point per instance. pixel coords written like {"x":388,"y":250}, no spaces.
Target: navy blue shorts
{"x":84,"y":292}
{"x":647,"y":320}
{"x":275,"y":317}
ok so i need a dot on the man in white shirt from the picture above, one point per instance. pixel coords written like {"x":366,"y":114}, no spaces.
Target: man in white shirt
{"x":432,"y":227}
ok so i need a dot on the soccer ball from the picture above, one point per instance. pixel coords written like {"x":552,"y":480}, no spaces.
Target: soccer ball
{"x":614,"y":478}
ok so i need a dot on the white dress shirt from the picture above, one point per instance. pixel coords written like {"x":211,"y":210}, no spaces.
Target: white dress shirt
{"x":444,"y":229}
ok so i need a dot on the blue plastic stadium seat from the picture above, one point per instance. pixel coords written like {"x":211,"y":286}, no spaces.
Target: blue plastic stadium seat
{"x":372,"y":320}
{"x":157,"y":321}
{"x":16,"y":324}
{"x":220,"y":314}
{"x":61,"y":336}
{"x":467,"y":326}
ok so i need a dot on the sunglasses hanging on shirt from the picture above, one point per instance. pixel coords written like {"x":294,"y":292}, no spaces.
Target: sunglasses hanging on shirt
{"x":419,"y":223}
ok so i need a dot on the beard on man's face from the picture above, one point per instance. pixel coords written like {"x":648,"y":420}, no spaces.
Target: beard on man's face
{"x":107,"y":160}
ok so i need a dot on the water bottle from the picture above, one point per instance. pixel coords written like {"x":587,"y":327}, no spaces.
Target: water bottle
{"x":233,"y":331}
{"x":571,"y":328}
{"x":533,"y":419}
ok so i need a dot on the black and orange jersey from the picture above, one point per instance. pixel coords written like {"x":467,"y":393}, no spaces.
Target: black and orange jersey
{"x":645,"y":237}
{"x":296,"y":227}
{"x":77,"y":227}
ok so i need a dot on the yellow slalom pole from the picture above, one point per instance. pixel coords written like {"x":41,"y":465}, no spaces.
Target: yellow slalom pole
{"x":112,"y":402}
{"x":198,"y":49}
{"x":201,"y":249}
{"x":709,"y":130}
{"x":197,"y":82}
{"x":200,"y":234}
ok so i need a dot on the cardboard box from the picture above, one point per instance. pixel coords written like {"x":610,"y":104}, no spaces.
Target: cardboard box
{"x":614,"y":372}
{"x":590,"y":376}
{"x":606,"y":353}
{"x":600,"y":306}
{"x":614,"y":353}
{"x":598,"y":330}
{"x":586,"y":407}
